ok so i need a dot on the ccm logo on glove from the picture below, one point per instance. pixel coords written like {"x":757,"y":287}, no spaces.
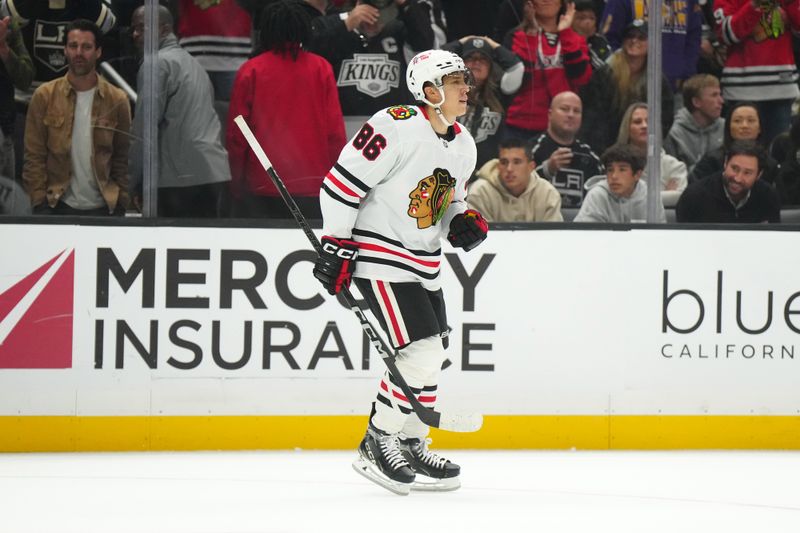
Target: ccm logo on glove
{"x":344,"y":253}
{"x":336,"y":263}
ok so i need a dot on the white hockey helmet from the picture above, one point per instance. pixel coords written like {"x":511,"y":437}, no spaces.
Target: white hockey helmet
{"x":432,"y":66}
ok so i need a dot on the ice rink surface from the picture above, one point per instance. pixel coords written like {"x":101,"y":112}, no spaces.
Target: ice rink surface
{"x":305,"y":491}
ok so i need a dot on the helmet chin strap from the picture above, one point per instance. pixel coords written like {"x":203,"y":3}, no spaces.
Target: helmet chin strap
{"x":441,"y":116}
{"x":438,"y":109}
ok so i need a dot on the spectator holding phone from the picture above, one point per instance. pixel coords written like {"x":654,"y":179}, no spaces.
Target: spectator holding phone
{"x":562,"y":158}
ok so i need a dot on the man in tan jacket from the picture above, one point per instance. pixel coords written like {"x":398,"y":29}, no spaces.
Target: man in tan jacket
{"x":77,"y":136}
{"x":508,"y":189}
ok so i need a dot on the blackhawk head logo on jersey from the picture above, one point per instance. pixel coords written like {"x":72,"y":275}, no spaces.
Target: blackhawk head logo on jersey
{"x":401,"y":112}
{"x":431,"y":198}
{"x":772,"y":23}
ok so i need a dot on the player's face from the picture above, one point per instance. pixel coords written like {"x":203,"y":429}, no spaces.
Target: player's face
{"x":622,"y":179}
{"x":81,"y":52}
{"x":739,"y":175}
{"x":515,"y":169}
{"x":638,"y":127}
{"x":420,"y":205}
{"x":745,"y":124}
{"x":456,"y":89}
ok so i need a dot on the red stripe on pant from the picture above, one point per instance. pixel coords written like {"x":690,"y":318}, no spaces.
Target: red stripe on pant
{"x":391,"y":312}
{"x":399,"y":396}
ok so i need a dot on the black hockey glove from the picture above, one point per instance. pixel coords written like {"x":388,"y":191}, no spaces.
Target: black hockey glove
{"x":468,"y":230}
{"x":335,"y":263}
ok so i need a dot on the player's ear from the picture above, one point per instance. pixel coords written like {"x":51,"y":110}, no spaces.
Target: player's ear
{"x":432,"y":94}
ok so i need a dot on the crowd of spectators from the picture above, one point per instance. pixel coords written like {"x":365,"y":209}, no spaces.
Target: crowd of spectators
{"x":558,"y":109}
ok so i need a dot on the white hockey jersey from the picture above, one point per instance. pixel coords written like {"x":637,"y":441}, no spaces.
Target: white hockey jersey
{"x":394,"y":190}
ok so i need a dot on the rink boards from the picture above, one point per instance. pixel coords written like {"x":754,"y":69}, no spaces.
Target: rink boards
{"x":128,"y":338}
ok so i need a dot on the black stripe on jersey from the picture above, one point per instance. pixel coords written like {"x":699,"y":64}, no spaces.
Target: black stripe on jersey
{"x":386,"y":402}
{"x":395,"y":264}
{"x":727,"y":32}
{"x":339,"y":198}
{"x":415,"y":390}
{"x":778,"y":71}
{"x":352,"y":179}
{"x":376,"y":236}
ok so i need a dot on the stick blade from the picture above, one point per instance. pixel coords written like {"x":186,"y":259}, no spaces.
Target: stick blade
{"x":461,"y":423}
{"x":457,"y":422}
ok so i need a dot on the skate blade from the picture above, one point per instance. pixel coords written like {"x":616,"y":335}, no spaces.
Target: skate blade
{"x":429,"y":484}
{"x":367,"y":469}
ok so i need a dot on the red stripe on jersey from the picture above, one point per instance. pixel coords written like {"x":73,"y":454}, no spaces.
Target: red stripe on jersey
{"x":426,"y":399}
{"x":342,"y":187}
{"x":392,"y":316}
{"x":378,"y":248}
{"x":424,"y":113}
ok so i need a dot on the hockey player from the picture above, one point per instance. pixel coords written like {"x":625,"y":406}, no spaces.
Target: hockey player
{"x":398,"y":187}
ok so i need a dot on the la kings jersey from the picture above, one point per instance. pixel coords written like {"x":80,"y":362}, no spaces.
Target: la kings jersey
{"x":43,"y":25}
{"x":372,"y":76}
{"x":394,"y":190}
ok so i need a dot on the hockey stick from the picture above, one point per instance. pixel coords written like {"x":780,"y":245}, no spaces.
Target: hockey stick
{"x":447,"y":421}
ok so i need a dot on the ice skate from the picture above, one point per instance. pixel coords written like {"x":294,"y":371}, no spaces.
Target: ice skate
{"x":434,"y":473}
{"x":381,"y":461}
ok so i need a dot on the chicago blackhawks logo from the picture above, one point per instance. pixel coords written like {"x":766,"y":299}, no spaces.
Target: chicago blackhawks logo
{"x":401,"y":112}
{"x":772,"y":24}
{"x":431,"y":198}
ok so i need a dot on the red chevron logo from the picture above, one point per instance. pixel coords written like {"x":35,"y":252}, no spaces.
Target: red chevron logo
{"x":36,"y":317}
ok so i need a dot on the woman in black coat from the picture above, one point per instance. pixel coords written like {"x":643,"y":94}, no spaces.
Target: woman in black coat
{"x":743,"y":123}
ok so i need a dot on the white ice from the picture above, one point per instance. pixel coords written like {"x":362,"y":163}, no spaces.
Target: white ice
{"x":306,"y":491}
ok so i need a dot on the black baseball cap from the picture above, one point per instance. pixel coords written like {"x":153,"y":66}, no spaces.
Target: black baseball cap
{"x":476,"y":45}
{"x":635,"y":27}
